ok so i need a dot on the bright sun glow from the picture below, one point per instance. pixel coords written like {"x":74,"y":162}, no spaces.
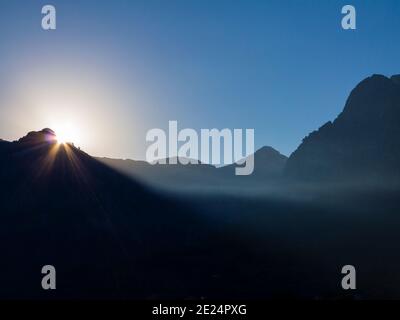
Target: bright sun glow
{"x":67,"y":133}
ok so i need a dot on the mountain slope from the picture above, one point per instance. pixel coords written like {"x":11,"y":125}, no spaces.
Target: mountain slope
{"x":268,"y":166}
{"x":362,"y":145}
{"x":170,"y":176}
{"x":104,"y":232}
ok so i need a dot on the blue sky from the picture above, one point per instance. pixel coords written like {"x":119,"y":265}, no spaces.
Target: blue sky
{"x":283,"y":68}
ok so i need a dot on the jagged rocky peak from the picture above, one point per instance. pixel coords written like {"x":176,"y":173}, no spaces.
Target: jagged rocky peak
{"x":364,"y":140}
{"x":374,"y":99}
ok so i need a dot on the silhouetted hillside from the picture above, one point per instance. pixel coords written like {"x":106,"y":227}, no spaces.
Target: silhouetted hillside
{"x":268,"y":168}
{"x":110,"y":237}
{"x":166,"y":176}
{"x":362,"y":145}
{"x":106,"y":234}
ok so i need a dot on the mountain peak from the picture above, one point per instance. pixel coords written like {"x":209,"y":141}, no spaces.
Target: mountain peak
{"x":267,"y":150}
{"x":44,"y":135}
{"x":362,"y":141}
{"x":375,"y":99}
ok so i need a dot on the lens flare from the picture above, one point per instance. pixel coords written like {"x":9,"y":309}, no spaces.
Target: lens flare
{"x":67,"y":133}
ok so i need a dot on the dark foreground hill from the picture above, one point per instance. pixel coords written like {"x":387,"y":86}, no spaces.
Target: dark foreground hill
{"x":107,"y":235}
{"x":110,"y":237}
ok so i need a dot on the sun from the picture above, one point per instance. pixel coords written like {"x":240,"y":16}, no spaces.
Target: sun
{"x":67,"y":133}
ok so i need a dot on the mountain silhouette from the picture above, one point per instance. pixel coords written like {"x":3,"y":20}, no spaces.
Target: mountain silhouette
{"x":362,"y":145}
{"x":38,"y":137}
{"x":106,"y":234}
{"x":165,"y":176}
{"x":269,"y":165}
{"x":109,"y":235}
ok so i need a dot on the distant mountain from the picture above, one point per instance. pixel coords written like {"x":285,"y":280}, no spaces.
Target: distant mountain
{"x":268,"y":167}
{"x":362,"y":145}
{"x":166,"y":176}
{"x":268,"y":164}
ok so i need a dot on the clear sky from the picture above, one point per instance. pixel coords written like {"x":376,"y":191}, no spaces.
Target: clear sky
{"x":116,"y":69}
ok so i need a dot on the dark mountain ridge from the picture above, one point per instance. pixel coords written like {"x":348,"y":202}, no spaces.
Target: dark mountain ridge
{"x":360,"y":148}
{"x":104,"y":232}
{"x":268,"y":168}
{"x":362,"y":145}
